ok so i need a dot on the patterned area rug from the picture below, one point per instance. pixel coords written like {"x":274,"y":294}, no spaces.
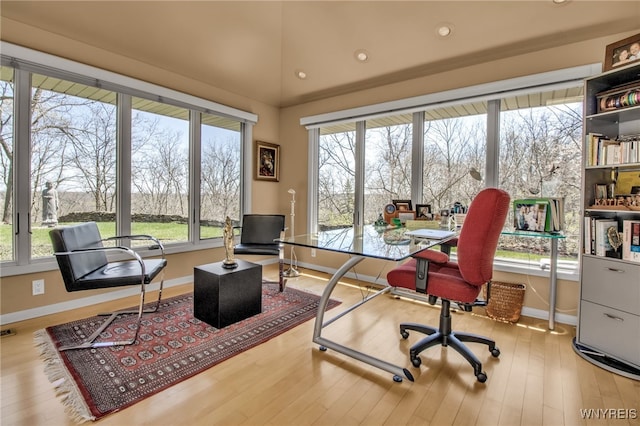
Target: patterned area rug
{"x":172,"y":346}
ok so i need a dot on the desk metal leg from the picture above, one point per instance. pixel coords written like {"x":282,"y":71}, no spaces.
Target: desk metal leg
{"x":553,"y":283}
{"x":324,"y":343}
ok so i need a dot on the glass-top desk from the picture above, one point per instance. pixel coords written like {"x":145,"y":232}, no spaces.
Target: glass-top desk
{"x":367,"y":242}
{"x":553,"y":268}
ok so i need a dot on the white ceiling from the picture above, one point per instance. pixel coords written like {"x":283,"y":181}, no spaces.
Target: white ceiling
{"x":254,"y":48}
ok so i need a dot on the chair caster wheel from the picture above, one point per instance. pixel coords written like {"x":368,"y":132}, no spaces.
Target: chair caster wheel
{"x":416,"y":361}
{"x":323,"y":348}
{"x":397,"y":379}
{"x":495,"y":352}
{"x":404,"y":334}
{"x":481,"y":377}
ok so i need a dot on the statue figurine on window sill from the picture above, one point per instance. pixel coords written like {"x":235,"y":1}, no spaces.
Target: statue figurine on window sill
{"x":229,"y":262}
{"x":380,"y":223}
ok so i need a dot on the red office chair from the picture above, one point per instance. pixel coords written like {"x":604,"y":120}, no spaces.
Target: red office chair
{"x":432,"y":272}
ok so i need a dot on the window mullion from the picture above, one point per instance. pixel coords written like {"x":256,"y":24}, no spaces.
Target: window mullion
{"x":358,"y":202}
{"x":417,"y":158}
{"x":123,"y":165}
{"x":246,"y":165}
{"x":493,"y":144}
{"x":22,"y":166}
{"x":313,"y":180}
{"x":195,"y":145}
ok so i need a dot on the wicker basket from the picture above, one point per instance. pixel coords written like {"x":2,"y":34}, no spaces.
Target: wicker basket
{"x":505,"y":301}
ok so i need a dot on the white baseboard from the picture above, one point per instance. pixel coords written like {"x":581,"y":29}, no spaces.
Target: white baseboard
{"x":544,"y":315}
{"x":132,"y":291}
{"x":527,"y":312}
{"x":94,"y":300}
{"x":87,"y":301}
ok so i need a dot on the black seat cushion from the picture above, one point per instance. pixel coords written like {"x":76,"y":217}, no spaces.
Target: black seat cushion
{"x":117,"y":274}
{"x":90,"y":270}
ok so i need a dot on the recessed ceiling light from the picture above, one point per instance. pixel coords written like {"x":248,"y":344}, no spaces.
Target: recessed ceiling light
{"x":300,"y":74}
{"x":559,"y":1}
{"x":444,"y":30}
{"x":361,"y":55}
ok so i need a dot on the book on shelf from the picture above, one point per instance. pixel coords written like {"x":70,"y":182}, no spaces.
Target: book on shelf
{"x":588,"y":241}
{"x":631,"y":240}
{"x":539,"y":214}
{"x":604,"y":151}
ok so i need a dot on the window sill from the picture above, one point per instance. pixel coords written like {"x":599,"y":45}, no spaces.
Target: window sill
{"x":47,"y":264}
{"x":566,"y":270}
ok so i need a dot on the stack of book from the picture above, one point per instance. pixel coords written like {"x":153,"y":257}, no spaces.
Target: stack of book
{"x":602,"y":151}
{"x":597,"y":240}
{"x":539,"y":214}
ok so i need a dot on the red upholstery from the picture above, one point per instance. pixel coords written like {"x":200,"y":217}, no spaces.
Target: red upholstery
{"x":477,"y":243}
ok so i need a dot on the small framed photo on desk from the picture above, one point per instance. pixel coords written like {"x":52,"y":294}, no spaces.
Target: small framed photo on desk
{"x":402,"y":205}
{"x":423,"y":211}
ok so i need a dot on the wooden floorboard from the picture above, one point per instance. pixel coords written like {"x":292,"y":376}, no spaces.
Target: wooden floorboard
{"x":538,"y":379}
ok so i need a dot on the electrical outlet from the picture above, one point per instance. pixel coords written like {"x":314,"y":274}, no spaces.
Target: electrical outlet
{"x":313,"y":252}
{"x":37,"y":286}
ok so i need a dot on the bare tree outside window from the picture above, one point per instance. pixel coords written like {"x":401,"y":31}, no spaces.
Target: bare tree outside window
{"x":336,"y":180}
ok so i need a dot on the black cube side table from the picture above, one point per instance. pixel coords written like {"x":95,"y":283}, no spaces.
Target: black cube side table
{"x":224,"y":296}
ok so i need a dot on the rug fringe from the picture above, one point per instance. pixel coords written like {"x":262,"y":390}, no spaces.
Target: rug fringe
{"x":58,"y":375}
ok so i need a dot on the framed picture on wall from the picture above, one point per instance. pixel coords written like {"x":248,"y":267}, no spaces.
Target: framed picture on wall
{"x":267,"y":162}
{"x":623,"y":52}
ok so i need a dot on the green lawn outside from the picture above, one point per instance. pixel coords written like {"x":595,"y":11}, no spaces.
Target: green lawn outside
{"x":165,"y":232}
{"x":172,"y":232}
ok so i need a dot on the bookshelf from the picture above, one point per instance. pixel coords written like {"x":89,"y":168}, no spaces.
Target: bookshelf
{"x":609,"y":314}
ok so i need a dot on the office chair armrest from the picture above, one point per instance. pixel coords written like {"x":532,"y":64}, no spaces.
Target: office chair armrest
{"x":156,"y":246}
{"x":432,"y":256}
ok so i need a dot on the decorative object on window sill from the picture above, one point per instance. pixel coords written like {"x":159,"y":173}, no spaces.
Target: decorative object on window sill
{"x":380,"y":223}
{"x":402,"y":205}
{"x":623,"y":52}
{"x":389,"y":212}
{"x":423,"y":212}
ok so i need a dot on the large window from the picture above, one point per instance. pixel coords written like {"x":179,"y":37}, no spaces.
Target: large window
{"x":220,"y":174}
{"x":160,"y":170}
{"x":73,"y":157}
{"x":336,"y":177}
{"x":521,"y":135}
{"x":387,"y":172}
{"x":540,"y":156}
{"x":81,"y":144}
{"x":454,"y":149}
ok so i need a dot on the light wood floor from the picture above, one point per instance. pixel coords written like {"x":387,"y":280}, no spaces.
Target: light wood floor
{"x":538,"y":379}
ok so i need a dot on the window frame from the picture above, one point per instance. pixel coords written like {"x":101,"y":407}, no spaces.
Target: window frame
{"x":26,"y":62}
{"x":492,"y":93}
